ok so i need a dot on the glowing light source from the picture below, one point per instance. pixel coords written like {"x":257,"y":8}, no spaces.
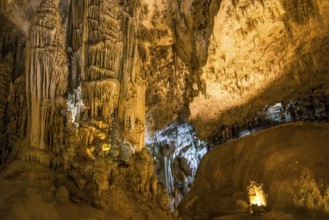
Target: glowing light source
{"x":257,"y":198}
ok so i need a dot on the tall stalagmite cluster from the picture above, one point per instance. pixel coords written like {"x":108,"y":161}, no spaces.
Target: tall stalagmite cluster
{"x":83,"y":92}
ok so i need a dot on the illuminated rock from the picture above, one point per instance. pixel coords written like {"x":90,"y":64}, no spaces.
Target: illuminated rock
{"x":281,"y":158}
{"x":46,"y":79}
{"x":260,"y":52}
{"x":85,"y":83}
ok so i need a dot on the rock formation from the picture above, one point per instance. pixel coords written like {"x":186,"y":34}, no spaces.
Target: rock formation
{"x":113,"y":97}
{"x":292,"y":169}
{"x":261,"y":52}
{"x":13,"y":99}
{"x":46,"y":79}
{"x":6,"y":69}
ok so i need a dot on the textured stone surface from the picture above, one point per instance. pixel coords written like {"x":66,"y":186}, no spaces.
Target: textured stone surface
{"x":33,"y":191}
{"x":261,"y":52}
{"x":5,"y":77}
{"x":46,"y":75}
{"x":83,"y":82}
{"x":227,"y":53}
{"x":290,"y":160}
{"x":13,"y":101}
{"x":103,"y":48}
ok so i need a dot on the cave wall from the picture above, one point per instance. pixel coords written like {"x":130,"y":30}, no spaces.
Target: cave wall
{"x":96,"y":77}
{"x":261,"y":52}
{"x":13,"y":99}
{"x":5,"y":76}
{"x":201,"y":56}
{"x":289,"y":160}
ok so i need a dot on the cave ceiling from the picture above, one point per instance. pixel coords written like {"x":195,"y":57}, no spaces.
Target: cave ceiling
{"x":216,"y":62}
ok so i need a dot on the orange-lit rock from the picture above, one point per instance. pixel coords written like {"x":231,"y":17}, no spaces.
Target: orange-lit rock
{"x":290,"y":161}
{"x":261,"y":52}
{"x":98,"y":98}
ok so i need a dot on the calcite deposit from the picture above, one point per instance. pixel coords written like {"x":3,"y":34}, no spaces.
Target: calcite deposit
{"x":292,"y":169}
{"x":260,"y":53}
{"x":112,"y":102}
{"x":46,"y":79}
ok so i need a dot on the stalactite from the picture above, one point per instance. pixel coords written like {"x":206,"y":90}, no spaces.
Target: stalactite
{"x":97,"y":59}
{"x":100,"y":67}
{"x":108,"y":58}
{"x":46,"y":74}
{"x":131,"y":107}
{"x":100,"y":97}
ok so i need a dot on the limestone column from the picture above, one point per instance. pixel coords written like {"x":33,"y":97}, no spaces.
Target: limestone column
{"x":46,"y":78}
